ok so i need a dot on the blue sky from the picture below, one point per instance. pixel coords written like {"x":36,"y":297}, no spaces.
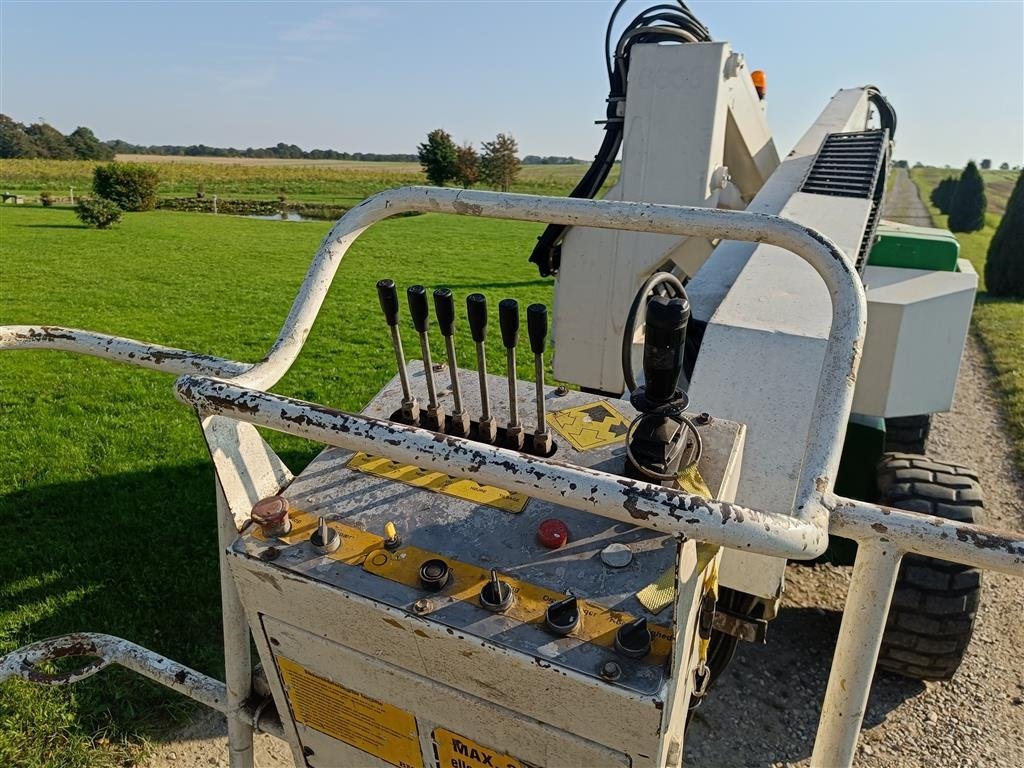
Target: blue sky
{"x":375,"y":77}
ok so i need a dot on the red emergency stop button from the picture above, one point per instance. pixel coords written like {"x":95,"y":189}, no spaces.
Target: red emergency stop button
{"x":552,"y":533}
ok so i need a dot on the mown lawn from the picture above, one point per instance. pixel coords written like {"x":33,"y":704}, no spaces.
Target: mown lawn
{"x":106,"y":493}
{"x":998,"y":322}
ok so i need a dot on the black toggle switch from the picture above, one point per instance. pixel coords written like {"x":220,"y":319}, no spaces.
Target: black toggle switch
{"x":563,"y":617}
{"x":634,"y":639}
{"x":496,"y":595}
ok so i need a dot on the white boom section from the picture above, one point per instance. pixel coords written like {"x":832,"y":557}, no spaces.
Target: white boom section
{"x":767,"y":325}
{"x":692,"y":120}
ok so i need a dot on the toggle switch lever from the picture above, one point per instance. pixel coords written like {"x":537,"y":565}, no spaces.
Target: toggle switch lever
{"x":537,"y":329}
{"x":508,"y":321}
{"x":419,"y":311}
{"x":388,"y":296}
{"x":476,"y":312}
{"x":444,"y":309}
{"x":633,"y":640}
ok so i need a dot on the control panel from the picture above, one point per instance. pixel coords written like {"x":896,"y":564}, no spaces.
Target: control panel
{"x":361,"y":545}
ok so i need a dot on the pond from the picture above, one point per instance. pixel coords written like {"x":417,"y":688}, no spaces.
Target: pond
{"x":283,"y":216}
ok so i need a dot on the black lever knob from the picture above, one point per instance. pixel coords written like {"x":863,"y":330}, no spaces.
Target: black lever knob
{"x":664,"y":339}
{"x":508,"y":320}
{"x":388,"y":295}
{"x":444,"y":309}
{"x":563,"y":617}
{"x":537,"y":327}
{"x":418,"y":307}
{"x":476,"y":311}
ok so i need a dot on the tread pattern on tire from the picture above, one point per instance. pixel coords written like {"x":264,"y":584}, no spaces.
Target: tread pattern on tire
{"x":908,"y":434}
{"x":934,"y":604}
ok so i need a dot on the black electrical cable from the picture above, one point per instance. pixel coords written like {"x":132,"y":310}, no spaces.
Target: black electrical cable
{"x":658,"y":24}
{"x":652,"y":283}
{"x":886,"y":113}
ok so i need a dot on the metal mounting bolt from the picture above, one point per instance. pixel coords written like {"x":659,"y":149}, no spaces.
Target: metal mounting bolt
{"x":561,"y":390}
{"x":422,"y":606}
{"x":611,"y":670}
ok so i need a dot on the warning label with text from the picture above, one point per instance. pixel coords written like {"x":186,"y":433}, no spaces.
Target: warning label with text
{"x":375,"y":727}
{"x":454,"y":751}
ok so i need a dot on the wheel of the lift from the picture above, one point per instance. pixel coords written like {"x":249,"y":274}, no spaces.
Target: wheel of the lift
{"x":934,"y":604}
{"x":908,"y":434}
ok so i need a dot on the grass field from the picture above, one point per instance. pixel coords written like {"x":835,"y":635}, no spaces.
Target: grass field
{"x":338,"y":182}
{"x":998,"y":185}
{"x":106,"y":491}
{"x":999,"y":322}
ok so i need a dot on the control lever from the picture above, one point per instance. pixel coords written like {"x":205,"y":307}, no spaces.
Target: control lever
{"x":417,"y":295}
{"x":444,"y":308}
{"x":661,"y":437}
{"x":476,"y":311}
{"x":508,"y":320}
{"x":388,"y":296}
{"x":537,"y":329}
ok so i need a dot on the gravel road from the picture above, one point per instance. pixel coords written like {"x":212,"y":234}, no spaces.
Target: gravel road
{"x":764,"y":711}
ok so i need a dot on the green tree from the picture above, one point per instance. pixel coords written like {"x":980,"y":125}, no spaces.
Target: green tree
{"x":942,"y":195}
{"x":52,"y":142}
{"x":986,"y":164}
{"x":467,"y":166}
{"x":132,"y":187}
{"x":1004,"y":267}
{"x":967,"y":209}
{"x":438,"y":156}
{"x":86,"y":146}
{"x":499,"y":163}
{"x":15,"y":142}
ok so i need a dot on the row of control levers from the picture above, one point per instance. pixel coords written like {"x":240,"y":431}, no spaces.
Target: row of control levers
{"x":484,"y":429}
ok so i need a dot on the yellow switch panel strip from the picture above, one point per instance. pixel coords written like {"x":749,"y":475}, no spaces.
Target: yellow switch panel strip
{"x":402,"y":565}
{"x":438,"y":482}
{"x":598,"y":624}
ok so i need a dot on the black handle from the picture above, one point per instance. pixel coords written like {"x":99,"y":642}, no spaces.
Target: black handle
{"x":388,"y":295}
{"x":508,"y":320}
{"x":537,"y":327}
{"x":664,"y":339}
{"x":418,"y":307}
{"x":476,"y":310}
{"x":444,"y":309}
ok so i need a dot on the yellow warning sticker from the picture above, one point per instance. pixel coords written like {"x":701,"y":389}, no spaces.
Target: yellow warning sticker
{"x":594,"y":425}
{"x":454,"y":751}
{"x":438,"y":482}
{"x":375,"y":727}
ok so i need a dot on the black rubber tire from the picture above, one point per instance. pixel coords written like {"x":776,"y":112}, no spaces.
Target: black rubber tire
{"x":908,"y":434}
{"x":931,"y":619}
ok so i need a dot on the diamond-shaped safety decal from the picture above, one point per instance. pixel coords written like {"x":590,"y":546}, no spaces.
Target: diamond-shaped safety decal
{"x":589,"y":426}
